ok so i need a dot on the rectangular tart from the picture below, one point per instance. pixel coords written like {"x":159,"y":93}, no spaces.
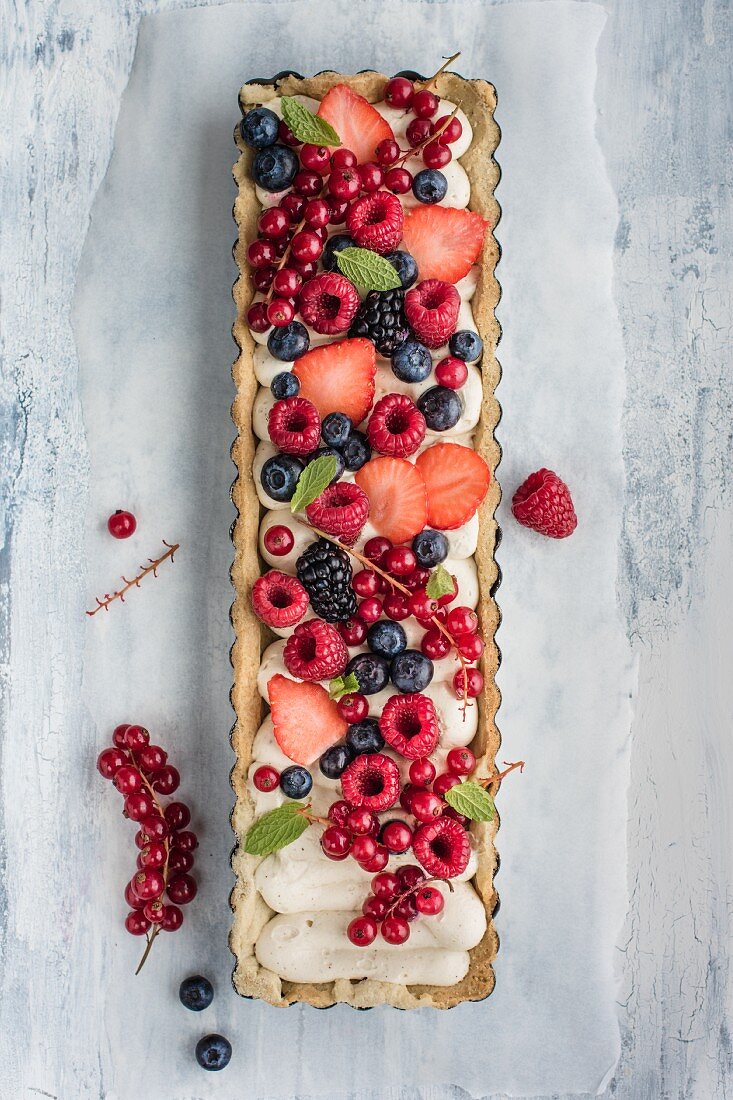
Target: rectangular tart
{"x":477,"y":101}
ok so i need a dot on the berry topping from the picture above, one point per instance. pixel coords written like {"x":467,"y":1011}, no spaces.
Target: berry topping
{"x":466,"y":345}
{"x":332,"y":247}
{"x":353,"y":708}
{"x":395,"y":930}
{"x":315,"y":651}
{"x":543,"y":502}
{"x":196,"y":993}
{"x":364,"y":736}
{"x":259,"y":128}
{"x":325,"y":572}
{"x":336,"y":429}
{"x":339,"y":377}
{"x":285,"y":384}
{"x":326,"y":452}
{"x":410,"y":725}
{"x":422,"y":772}
{"x":353,"y":630}
{"x":396,"y":426}
{"x":400,"y":561}
{"x":386,"y":638}
{"x":357,"y":123}
{"x":371,"y":781}
{"x":356,"y":451}
{"x":340,"y":510}
{"x":442,"y":847}
{"x":444,"y":241}
{"x":362,"y":931}
{"x":461,"y":761}
{"x":288,"y":343}
{"x":397,"y":497}
{"x":398,"y":91}
{"x":436,"y":155}
{"x":306,"y":722}
{"x":429,"y":901}
{"x":398,"y":180}
{"x":121,"y":524}
{"x":456,"y":479}
{"x":278,"y":599}
{"x":381,"y":318}
{"x":426,"y":805}
{"x":396,"y":836}
{"x":278,"y":540}
{"x":431,"y":309}
{"x":279,"y":476}
{"x":441,"y":408}
{"x":424,"y":103}
{"x":411,"y":671}
{"x":274,"y":168}
{"x":328,"y":302}
{"x":430,"y":185}
{"x":294,"y":425}
{"x":452,"y":131}
{"x":474,"y":683}
{"x":405,"y":266}
{"x":371,"y":671}
{"x":296,"y":782}
{"x":430,"y":548}
{"x":375,"y":221}
{"x":411,"y":362}
{"x":334,"y":760}
{"x":451,"y":372}
{"x":266,"y":778}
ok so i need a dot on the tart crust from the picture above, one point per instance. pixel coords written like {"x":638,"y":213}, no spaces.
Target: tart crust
{"x":477,"y":99}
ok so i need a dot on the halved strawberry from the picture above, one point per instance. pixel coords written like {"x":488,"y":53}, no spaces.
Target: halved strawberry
{"x":305,"y":720}
{"x":339,"y":377}
{"x":397,"y":498}
{"x":443,"y":241}
{"x":356,"y":122}
{"x":456,"y":480}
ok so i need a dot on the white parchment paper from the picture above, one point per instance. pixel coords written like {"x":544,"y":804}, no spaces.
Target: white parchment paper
{"x":152,"y":320}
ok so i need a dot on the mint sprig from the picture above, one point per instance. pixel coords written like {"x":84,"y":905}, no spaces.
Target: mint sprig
{"x":316,"y":477}
{"x":440,"y":583}
{"x":276,"y":829}
{"x":471,"y":800}
{"x":307,"y":127}
{"x":367,"y":269}
{"x":343,"y":685}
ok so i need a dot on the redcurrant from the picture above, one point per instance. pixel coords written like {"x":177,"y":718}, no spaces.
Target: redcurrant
{"x":110,"y":761}
{"x":422,"y":772}
{"x":179,"y":862}
{"x":353,"y":631}
{"x":370,"y":609}
{"x":398,"y":180}
{"x":398,"y":91}
{"x":426,"y":806}
{"x":352,"y":708}
{"x":317,"y":158}
{"x":186,"y":840}
{"x":182,"y":889}
{"x":306,"y":246}
{"x":474,"y":682}
{"x":308,"y":184}
{"x":261,"y":252}
{"x":266,"y":778}
{"x":371,"y":175}
{"x":148,"y":884}
{"x":362,"y":931}
{"x":400,"y":561}
{"x":360,"y":822}
{"x":462,"y":620}
{"x":364,"y":848}
{"x":335,"y":842}
{"x":172,"y":918}
{"x":177,"y":815}
{"x":395,"y":929}
{"x":429,"y":901}
{"x":167,"y":780}
{"x":435,"y":645}
{"x":375,"y":907}
{"x":153,"y":854}
{"x":293,"y":205}
{"x":395,"y":606}
{"x":152,"y":757}
{"x":136,"y":924}
{"x":127,"y":779}
{"x":418,"y":131}
{"x":343,"y":158}
{"x":280,"y":312}
{"x":286,"y":135}
{"x":273,"y":222}
{"x":257,"y":317}
{"x":338,"y":812}
{"x":138,"y":805}
{"x":287,"y":282}
{"x":460,"y":761}
{"x":388,"y":151}
{"x":451,"y":373}
{"x":344,"y":183}
{"x":154,"y":911}
{"x":422,"y":606}
{"x":444,"y":782}
{"x":365,"y":583}
{"x":436,"y":155}
{"x":425,"y":103}
{"x":396,"y":836}
{"x":470,"y":646}
{"x":386,"y":886}
{"x":121,"y":524}
{"x":452,"y":131}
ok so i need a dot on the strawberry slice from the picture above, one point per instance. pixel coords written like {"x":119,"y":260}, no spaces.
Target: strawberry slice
{"x":443,"y":241}
{"x":305,"y":720}
{"x":456,"y":480}
{"x":397,"y":500}
{"x":339,"y":377}
{"x":356,"y":122}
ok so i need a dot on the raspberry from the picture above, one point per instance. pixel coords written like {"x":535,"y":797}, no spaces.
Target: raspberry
{"x":543,"y":502}
{"x":372,"y":781}
{"x":410,"y":725}
{"x":315,"y":651}
{"x":294,"y":425}
{"x":442,"y":847}
{"x":340,"y":510}
{"x":278,"y":599}
{"x":396,"y":426}
{"x":328,"y":302}
{"x":431,"y":309}
{"x":375,"y":221}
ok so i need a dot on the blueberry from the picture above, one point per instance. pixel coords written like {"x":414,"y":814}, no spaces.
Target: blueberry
{"x":405,"y":266}
{"x":285,"y":384}
{"x":411,"y":362}
{"x":356,"y":451}
{"x":430,"y":548}
{"x":335,"y":244}
{"x":411,"y":671}
{"x":274,"y":168}
{"x":213,"y":1052}
{"x":466,"y":345}
{"x":280,"y":475}
{"x":335,"y":429}
{"x":259,"y":128}
{"x":334,"y":760}
{"x":295,"y":782}
{"x":196,"y":993}
{"x":371,"y":671}
{"x":386,"y":638}
{"x":365,"y":736}
{"x":429,"y":186}
{"x":289,"y":342}
{"x":441,"y":408}
{"x":321,"y":452}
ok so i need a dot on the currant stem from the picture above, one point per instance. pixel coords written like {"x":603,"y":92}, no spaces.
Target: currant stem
{"x":150,"y":938}
{"x":314,"y":818}
{"x":413,"y":890}
{"x":135,"y":582}
{"x":416,"y":149}
{"x":449,"y":61}
{"x":498,"y":776}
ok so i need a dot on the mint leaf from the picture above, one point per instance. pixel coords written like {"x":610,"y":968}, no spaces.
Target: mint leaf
{"x":367,"y":270}
{"x":343,"y":685}
{"x":306,"y":126}
{"x":276,"y":829}
{"x":440,"y":583}
{"x":316,"y":477}
{"x":471,"y":800}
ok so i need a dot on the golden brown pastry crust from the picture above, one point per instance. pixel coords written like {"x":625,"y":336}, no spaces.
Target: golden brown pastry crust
{"x":477,"y":99}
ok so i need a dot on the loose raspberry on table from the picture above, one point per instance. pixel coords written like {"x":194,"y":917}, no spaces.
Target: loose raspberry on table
{"x":442,"y":847}
{"x":543,"y":502}
{"x":279,"y":599}
{"x":328,"y":302}
{"x":409,"y":724}
{"x":431,"y":309}
{"x":396,"y":426}
{"x":294,"y":425}
{"x":372,"y":781}
{"x":341,"y":510}
{"x":375,"y":221}
{"x":315,"y":651}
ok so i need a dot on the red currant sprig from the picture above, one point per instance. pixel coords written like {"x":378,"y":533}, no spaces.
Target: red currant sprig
{"x":396,"y":900}
{"x":140,"y":773}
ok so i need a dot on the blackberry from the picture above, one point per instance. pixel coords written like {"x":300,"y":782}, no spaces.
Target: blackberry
{"x":324,"y":570}
{"x":381,"y":318}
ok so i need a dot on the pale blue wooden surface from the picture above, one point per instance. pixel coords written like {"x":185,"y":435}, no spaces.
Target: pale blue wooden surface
{"x":664,"y":107}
